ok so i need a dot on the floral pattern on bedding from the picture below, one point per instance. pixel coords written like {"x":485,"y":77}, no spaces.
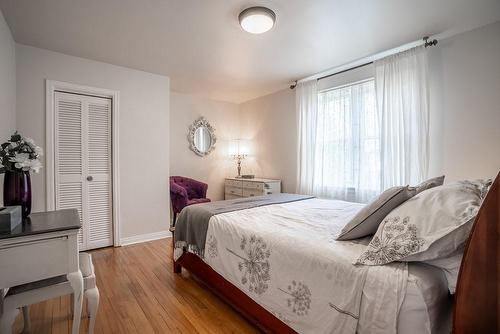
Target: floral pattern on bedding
{"x":299,"y":298}
{"x":397,"y":239}
{"x":283,"y":258}
{"x":212,"y":249}
{"x":254,"y":264}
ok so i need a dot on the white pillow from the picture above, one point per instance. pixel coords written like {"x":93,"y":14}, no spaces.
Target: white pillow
{"x":431,"y":225}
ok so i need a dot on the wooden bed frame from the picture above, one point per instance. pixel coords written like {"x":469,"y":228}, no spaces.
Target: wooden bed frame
{"x":478,"y":287}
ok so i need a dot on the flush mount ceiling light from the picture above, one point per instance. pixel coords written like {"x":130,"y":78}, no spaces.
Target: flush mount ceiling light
{"x":257,"y":20}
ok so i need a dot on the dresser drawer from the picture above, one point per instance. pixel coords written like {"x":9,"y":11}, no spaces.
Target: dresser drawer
{"x":253,"y":185}
{"x":233,"y":183}
{"x":229,"y":196}
{"x":251,"y":193}
{"x":234,"y":191}
{"x":23,"y":261}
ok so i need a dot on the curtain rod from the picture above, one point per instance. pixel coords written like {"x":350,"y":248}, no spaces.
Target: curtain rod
{"x":353,"y":66}
{"x":343,"y":71}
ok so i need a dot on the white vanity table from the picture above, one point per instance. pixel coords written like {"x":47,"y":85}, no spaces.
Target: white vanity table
{"x":45,"y":245}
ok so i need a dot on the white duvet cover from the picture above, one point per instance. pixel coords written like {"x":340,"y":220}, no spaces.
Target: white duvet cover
{"x":285,"y":257}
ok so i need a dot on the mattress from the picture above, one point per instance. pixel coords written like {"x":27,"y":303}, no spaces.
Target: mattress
{"x":398,"y":297}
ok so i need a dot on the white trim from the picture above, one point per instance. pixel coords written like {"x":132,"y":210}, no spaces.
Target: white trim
{"x":145,"y":237}
{"x":51,"y":86}
{"x":50,"y":201}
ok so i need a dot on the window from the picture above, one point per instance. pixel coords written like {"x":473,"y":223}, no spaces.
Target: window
{"x":347,"y":151}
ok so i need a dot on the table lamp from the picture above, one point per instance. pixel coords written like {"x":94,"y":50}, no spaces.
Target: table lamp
{"x":238,"y":150}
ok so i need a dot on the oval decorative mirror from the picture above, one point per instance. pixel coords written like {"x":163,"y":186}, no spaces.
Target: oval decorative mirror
{"x":201,"y":137}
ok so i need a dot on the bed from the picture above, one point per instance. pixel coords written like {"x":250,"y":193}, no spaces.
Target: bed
{"x":281,"y":267}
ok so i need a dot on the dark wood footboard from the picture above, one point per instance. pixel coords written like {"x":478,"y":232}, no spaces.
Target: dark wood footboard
{"x":246,"y":306}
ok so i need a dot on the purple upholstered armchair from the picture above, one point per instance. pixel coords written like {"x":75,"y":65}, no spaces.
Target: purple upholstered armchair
{"x":185,"y":191}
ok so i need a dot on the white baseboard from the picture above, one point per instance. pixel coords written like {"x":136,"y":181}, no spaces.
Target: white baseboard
{"x":145,"y":237}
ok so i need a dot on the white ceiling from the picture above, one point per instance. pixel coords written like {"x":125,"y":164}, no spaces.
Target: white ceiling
{"x":200,"y":46}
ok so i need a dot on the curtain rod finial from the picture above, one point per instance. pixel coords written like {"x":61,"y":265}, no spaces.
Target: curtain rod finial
{"x":293,"y":85}
{"x":429,"y":43}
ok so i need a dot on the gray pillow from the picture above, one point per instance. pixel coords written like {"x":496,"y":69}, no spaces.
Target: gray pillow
{"x":430,"y":183}
{"x":367,"y":220}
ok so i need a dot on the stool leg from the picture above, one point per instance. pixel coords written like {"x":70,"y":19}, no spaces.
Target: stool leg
{"x":92,"y":306}
{"x":76,"y":281}
{"x":26,"y":319}
{"x":7,"y":320}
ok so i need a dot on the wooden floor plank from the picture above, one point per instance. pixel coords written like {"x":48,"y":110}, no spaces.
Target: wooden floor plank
{"x":140,"y":294}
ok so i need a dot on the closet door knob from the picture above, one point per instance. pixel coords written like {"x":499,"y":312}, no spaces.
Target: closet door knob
{"x":89,"y":178}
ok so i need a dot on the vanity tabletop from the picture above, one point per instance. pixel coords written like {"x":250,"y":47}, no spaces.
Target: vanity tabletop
{"x":44,"y":222}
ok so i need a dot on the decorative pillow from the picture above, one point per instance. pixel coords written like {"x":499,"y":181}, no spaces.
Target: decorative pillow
{"x":428,"y":184}
{"x":431,"y":225}
{"x":369,"y":218}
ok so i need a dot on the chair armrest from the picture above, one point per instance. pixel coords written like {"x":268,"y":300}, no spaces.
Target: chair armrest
{"x":177,"y":190}
{"x":178,"y":196}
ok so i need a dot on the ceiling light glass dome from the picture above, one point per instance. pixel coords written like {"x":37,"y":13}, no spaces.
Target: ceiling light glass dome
{"x":257,"y":20}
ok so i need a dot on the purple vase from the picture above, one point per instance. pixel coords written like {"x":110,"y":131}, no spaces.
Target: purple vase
{"x":17,"y":191}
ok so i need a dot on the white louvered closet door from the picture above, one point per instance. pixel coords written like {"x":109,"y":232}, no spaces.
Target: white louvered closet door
{"x":83,"y":164}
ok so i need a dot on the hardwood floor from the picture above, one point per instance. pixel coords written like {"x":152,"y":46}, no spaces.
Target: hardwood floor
{"x":141,"y":294}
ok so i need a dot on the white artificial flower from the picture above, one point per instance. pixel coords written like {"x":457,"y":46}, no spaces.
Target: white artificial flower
{"x":21,"y":161}
{"x":38,"y":150}
{"x":35,"y":165}
{"x":29,"y":141}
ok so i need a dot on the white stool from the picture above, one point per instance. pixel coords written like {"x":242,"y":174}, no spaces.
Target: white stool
{"x":32,"y":293}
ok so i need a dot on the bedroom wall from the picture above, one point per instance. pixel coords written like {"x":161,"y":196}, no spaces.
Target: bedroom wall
{"x":269,"y":123}
{"x":143,"y":127}
{"x":213,"y":168}
{"x":7,"y":86}
{"x":464,"y":80}
{"x":465,"y":104}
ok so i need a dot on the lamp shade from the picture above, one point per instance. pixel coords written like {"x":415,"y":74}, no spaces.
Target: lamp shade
{"x":239,"y":147}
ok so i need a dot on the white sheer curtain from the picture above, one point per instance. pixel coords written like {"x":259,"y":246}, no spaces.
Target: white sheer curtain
{"x":306,"y":100}
{"x":342,"y":142}
{"x":348,"y":144}
{"x":403,"y":107}
{"x":361,"y":138}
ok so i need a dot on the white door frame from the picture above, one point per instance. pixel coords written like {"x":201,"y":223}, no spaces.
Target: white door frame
{"x":51,"y":86}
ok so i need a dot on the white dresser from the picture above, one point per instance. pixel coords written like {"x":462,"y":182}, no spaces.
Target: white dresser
{"x":238,"y":187}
